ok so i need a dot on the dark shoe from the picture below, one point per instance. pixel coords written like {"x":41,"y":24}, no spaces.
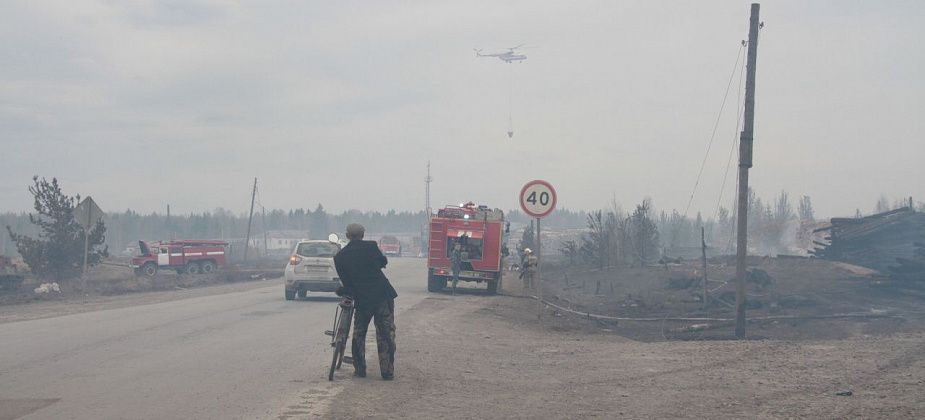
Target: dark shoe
{"x":388,"y":377}
{"x":359,"y":374}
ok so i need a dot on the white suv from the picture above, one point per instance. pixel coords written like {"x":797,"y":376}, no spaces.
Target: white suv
{"x":311,"y":268}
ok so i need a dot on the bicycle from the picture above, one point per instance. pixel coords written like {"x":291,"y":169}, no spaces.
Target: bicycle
{"x":343,"y":317}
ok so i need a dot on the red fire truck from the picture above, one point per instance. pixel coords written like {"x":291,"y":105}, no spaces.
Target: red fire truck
{"x":390,"y":246}
{"x":189,"y":256}
{"x":480,"y":231}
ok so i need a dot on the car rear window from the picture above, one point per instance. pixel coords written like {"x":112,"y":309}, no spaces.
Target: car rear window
{"x":317,"y":249}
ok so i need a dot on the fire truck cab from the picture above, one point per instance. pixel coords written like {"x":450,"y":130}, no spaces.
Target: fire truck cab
{"x":480,"y":233}
{"x":390,"y":246}
{"x":187,"y":256}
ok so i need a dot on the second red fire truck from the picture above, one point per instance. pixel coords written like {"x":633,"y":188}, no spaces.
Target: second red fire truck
{"x":390,"y":246}
{"x":189,"y":256}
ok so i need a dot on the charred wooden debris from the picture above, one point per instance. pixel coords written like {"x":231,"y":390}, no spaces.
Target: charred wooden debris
{"x":892,"y":243}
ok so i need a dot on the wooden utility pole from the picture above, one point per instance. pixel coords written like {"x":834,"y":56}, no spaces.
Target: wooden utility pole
{"x":427,"y":181}
{"x":250,"y":218}
{"x":745,"y":162}
{"x":263,"y":222}
{"x":428,"y":211}
{"x":703,"y":249}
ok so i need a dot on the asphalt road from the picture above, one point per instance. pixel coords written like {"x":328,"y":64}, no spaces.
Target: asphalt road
{"x":236,"y":355}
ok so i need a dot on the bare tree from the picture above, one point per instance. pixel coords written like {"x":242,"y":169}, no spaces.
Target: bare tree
{"x":569,"y":249}
{"x":595,"y":244}
{"x":883,"y":205}
{"x":643,"y":233}
{"x":805,"y":210}
{"x":900,"y":203}
{"x":617,"y":224}
{"x":779,"y":223}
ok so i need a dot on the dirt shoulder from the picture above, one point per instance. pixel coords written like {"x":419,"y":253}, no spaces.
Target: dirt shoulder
{"x":72,"y":303}
{"x":473,"y":356}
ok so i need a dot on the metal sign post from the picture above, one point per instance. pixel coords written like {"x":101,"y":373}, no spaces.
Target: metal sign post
{"x":538,"y":199}
{"x":87,"y":214}
{"x":539,"y":253}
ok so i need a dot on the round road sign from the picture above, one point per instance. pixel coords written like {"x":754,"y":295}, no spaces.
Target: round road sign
{"x":538,"y":198}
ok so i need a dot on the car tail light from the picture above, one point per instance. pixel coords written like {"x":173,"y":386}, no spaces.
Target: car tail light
{"x":295,"y":260}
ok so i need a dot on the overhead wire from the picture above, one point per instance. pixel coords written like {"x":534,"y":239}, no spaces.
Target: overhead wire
{"x":715,"y":128}
{"x":735,"y":142}
{"x":735,"y":214}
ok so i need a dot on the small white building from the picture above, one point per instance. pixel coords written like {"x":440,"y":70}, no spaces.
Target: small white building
{"x":279,"y":240}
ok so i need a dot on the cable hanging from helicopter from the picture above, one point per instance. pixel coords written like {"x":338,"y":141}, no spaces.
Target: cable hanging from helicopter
{"x":509,"y":56}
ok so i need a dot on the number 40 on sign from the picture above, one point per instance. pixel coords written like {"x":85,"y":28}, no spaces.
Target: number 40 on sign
{"x":538,"y":198}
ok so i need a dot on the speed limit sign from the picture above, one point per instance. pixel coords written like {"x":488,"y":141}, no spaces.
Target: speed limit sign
{"x":538,"y":198}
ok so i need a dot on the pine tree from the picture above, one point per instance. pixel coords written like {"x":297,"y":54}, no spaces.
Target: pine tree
{"x":57,"y":253}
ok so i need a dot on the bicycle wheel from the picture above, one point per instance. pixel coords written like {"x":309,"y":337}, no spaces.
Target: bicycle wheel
{"x":346,"y":323}
{"x":340,"y":356}
{"x":335,"y":361}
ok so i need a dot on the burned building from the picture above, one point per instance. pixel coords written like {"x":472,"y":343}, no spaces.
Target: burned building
{"x":892,"y":242}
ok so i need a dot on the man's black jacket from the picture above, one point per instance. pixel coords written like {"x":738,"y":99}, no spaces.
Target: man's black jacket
{"x":359,"y":266}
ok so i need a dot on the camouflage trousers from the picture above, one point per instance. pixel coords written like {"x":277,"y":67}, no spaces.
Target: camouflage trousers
{"x":383,"y":316}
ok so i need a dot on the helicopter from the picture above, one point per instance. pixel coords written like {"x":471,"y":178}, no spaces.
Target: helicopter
{"x":509,"y":56}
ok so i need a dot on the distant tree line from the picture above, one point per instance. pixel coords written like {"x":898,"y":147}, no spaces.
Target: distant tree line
{"x":614,"y":237}
{"x":128,"y":226}
{"x":558,"y":219}
{"x":123,"y":228}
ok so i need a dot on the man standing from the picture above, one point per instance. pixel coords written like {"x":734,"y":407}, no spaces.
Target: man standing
{"x":359,"y":266}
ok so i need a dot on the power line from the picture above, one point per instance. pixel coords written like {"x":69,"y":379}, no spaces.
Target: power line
{"x":715,"y":127}
{"x":735,"y":142}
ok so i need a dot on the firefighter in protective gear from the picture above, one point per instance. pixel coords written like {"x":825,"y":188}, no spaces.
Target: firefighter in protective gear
{"x":456,"y":257}
{"x":528,"y":270}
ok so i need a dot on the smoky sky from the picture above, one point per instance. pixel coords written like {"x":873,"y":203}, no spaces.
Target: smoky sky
{"x":142,"y":104}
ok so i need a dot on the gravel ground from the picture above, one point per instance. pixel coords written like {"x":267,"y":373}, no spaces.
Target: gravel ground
{"x":474,"y":356}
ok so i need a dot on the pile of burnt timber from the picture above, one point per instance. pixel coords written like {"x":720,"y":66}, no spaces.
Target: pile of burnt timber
{"x":911,"y":269}
{"x":889,"y":242}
